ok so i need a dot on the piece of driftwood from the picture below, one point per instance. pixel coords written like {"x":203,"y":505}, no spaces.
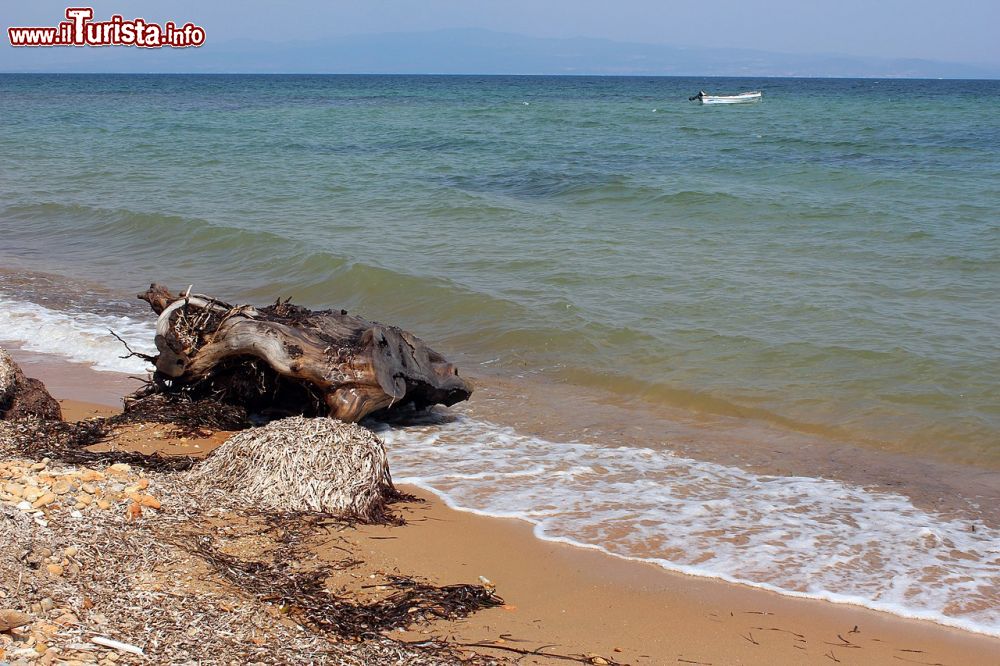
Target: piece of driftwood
{"x":284,"y":359}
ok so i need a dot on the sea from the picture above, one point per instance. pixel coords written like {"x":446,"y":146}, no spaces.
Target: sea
{"x":758,"y":342}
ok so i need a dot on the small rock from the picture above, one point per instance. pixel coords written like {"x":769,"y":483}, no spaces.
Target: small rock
{"x":61,"y":487}
{"x":46,"y":629}
{"x":103,"y":504}
{"x":89,"y":488}
{"x":24,"y":505}
{"x":67,"y":619}
{"x":133,"y":511}
{"x":44,"y":500}
{"x":71,"y":551}
{"x":150,"y":501}
{"x":12,"y":619}
{"x":120,"y":470}
{"x":55,"y":570}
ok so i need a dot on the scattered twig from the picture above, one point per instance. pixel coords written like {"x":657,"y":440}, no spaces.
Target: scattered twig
{"x":914,"y":661}
{"x":132,"y":352}
{"x":117,"y":645}
{"x":844,"y":643}
{"x":580,"y":659}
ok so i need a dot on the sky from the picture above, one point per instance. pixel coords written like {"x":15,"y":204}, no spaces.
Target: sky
{"x":955,"y":31}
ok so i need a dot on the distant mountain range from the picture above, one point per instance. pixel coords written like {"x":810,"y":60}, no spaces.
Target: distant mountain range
{"x":475,"y":51}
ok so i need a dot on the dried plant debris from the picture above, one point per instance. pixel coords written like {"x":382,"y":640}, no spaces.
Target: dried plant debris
{"x":300,"y":464}
{"x":132,"y":556}
{"x":304,"y":596}
{"x":191,"y":416}
{"x":68,"y":442}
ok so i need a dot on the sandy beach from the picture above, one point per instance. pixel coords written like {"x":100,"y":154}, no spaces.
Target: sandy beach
{"x":565,"y":601}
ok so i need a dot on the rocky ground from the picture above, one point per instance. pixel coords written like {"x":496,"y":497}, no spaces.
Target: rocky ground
{"x":99,"y":553}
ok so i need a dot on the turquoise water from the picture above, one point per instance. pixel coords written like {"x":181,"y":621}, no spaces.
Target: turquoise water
{"x":825,"y":263}
{"x":828,"y":259}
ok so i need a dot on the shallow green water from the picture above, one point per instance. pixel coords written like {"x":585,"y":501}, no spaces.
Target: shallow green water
{"x":828,"y":259}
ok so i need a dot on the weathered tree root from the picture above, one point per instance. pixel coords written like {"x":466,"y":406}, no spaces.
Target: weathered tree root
{"x":284,"y":359}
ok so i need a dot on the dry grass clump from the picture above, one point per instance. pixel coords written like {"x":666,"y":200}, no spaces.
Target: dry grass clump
{"x":303,"y":464}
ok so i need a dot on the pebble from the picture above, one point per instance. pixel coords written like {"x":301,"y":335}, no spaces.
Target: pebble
{"x":150,"y":501}
{"x":12,"y":619}
{"x":55,"y":570}
{"x":44,"y":500}
{"x":133,"y":511}
{"x":61,"y":487}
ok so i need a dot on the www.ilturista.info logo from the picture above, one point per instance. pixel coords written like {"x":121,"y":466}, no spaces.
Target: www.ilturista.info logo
{"x":80,"y":30}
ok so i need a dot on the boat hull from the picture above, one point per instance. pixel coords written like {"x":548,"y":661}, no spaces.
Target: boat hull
{"x":742,"y":98}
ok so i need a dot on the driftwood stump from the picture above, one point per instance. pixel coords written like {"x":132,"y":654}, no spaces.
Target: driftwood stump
{"x":285,"y":359}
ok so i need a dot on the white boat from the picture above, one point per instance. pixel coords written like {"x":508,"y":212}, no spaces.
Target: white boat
{"x":741,"y":98}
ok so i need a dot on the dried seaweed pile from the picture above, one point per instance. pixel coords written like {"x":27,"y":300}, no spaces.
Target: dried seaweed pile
{"x":305,"y":597}
{"x":67,"y":442}
{"x":181,"y":410}
{"x":300,"y":464}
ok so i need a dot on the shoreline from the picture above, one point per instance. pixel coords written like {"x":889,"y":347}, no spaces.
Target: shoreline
{"x":592,"y":602}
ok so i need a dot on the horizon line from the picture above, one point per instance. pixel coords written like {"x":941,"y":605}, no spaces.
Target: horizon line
{"x":496,"y":74}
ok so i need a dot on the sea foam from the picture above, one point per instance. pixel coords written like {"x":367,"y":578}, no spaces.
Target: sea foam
{"x":79,"y":336}
{"x":799,"y":536}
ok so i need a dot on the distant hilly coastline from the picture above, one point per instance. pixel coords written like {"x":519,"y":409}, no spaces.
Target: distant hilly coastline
{"x":477,"y":51}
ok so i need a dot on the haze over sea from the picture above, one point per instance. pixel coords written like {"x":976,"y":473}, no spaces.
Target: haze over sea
{"x":825,"y":264}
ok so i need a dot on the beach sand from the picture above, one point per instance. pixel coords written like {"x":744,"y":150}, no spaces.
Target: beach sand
{"x":566,"y":600}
